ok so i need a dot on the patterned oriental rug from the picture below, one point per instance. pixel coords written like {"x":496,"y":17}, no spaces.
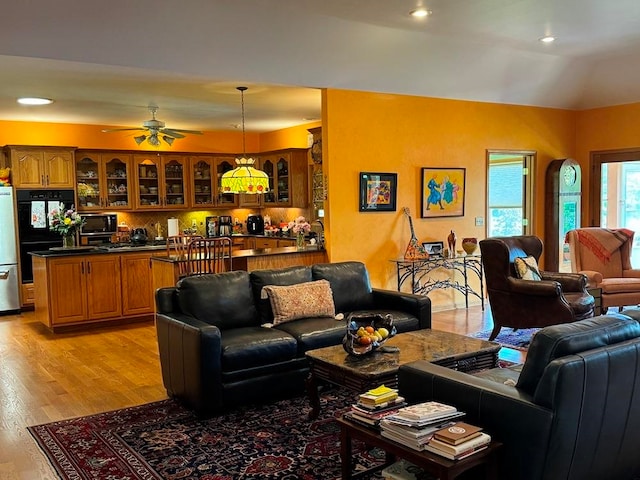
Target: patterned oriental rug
{"x":163,"y":440}
{"x":508,"y":337}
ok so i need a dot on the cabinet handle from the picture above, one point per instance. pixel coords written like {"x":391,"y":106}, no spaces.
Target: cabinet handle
{"x":89,"y":268}
{"x":82,"y":268}
{"x":42,"y":181}
{"x":47,"y":180}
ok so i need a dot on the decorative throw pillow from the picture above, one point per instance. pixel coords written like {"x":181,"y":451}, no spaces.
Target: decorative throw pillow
{"x":308,"y":299}
{"x":527,"y":268}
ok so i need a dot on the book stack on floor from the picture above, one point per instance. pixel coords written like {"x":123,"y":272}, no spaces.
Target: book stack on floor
{"x":458,"y":441}
{"x":404,"y":470}
{"x":374,"y":405}
{"x":415,"y":425}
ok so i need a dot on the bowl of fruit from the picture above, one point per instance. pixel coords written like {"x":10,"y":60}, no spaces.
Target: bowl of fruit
{"x":366,"y":332}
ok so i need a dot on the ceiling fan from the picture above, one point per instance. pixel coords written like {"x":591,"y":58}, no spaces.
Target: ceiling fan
{"x":155,"y":130}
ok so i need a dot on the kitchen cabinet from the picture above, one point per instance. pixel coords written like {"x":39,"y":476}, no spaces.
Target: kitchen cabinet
{"x":205,"y":175}
{"x":103,"y":180}
{"x":137,"y":284}
{"x":160,"y":182}
{"x":77,"y":289}
{"x":41,"y":167}
{"x":288,"y":180}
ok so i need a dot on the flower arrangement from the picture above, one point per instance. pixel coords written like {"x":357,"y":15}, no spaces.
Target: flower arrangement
{"x":65,"y":222}
{"x":299,"y":225}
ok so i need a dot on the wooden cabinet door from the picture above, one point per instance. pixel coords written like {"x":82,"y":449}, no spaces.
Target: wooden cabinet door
{"x":104,"y":295}
{"x":137,"y":284}
{"x":175,"y":189}
{"x":202,"y":177}
{"x":117,"y":180}
{"x":27,"y":168}
{"x":146,"y":190}
{"x":89,"y":185}
{"x":68,"y":290}
{"x":58,"y":169}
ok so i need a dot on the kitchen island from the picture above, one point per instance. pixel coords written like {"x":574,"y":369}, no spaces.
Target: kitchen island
{"x":166,"y":268}
{"x":78,"y":287}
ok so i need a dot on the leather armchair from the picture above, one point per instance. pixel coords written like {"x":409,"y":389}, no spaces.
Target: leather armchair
{"x":574,"y":412}
{"x":517,"y":303}
{"x":604,"y":256}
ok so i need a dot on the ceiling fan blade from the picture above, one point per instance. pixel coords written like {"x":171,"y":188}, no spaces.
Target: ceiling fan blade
{"x":193,"y":132}
{"x":172,"y":133}
{"x":109,"y":130}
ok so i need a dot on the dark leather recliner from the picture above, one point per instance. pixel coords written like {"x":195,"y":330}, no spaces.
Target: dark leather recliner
{"x":517,"y":303}
{"x":574,"y":413}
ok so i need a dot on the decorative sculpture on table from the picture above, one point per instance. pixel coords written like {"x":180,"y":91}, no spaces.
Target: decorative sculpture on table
{"x":451,"y":243}
{"x":414,"y":250}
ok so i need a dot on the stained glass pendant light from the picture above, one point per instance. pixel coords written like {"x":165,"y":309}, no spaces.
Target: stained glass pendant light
{"x":244,"y":178}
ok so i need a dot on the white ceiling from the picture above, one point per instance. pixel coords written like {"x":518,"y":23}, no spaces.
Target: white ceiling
{"x":105,"y":62}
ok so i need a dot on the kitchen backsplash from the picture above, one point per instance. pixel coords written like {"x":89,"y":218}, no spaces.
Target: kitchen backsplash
{"x":152,"y":220}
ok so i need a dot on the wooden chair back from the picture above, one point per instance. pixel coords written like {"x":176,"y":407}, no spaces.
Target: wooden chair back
{"x":209,"y":255}
{"x":178,"y":246}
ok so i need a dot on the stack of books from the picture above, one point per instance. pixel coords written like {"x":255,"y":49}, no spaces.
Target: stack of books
{"x":404,"y":470}
{"x":458,"y":441}
{"x":374,"y":405}
{"x":415,"y":425}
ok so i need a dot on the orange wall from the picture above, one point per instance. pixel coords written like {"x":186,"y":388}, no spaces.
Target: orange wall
{"x":294,"y":137}
{"x":395,"y":133}
{"x":608,"y":128}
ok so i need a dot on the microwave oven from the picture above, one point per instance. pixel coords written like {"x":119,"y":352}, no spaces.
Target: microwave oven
{"x":98,"y":224}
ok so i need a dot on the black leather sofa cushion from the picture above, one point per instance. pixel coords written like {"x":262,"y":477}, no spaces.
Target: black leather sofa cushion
{"x":199,"y":297}
{"x":312,"y":333}
{"x":569,"y":338}
{"x":280,"y":276}
{"x":350,"y":285}
{"x":256,"y":346}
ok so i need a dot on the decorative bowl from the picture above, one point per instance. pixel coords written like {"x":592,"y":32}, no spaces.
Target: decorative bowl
{"x":353,"y":342}
{"x":470,"y":245}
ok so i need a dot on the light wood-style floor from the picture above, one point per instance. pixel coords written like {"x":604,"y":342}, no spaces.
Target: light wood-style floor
{"x":46,"y":377}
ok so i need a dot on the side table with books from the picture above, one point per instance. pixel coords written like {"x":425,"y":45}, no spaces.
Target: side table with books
{"x":429,"y":435}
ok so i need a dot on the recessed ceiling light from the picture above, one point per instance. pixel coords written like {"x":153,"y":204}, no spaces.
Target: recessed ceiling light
{"x":548,"y":39}
{"x":34,"y":101}
{"x":420,"y":12}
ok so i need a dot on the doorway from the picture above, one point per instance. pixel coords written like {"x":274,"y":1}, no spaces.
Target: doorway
{"x":510,"y":183}
{"x":615,"y":193}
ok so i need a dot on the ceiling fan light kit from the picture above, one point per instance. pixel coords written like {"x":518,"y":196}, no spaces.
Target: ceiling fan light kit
{"x":244,"y":178}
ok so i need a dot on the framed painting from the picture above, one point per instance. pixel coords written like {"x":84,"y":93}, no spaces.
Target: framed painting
{"x":443,"y":192}
{"x":434,"y":249}
{"x":378,"y":192}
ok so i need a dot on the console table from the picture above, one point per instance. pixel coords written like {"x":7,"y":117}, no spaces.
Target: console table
{"x":419,"y":273}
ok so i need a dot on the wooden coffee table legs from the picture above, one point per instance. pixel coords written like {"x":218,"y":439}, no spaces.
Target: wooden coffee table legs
{"x":314,"y":396}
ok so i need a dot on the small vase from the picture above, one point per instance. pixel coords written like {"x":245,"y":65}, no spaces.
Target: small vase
{"x":68,"y":241}
{"x":469,"y":245}
{"x":300,"y":243}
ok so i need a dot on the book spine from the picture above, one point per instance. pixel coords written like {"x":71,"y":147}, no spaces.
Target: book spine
{"x":480,"y":440}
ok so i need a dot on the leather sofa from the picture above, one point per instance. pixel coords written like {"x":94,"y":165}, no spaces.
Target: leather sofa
{"x":574,"y":412}
{"x":219,"y":346}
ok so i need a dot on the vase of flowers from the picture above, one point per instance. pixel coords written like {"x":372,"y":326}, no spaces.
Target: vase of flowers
{"x":299,"y":227}
{"x":66,"y":222}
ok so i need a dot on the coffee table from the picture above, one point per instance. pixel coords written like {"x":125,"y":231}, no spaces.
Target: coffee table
{"x":362,"y":372}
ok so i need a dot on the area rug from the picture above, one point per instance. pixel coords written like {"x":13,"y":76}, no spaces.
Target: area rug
{"x":508,"y":337}
{"x":163,"y":440}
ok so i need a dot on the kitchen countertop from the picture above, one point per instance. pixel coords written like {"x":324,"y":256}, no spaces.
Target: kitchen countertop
{"x":250,"y":252}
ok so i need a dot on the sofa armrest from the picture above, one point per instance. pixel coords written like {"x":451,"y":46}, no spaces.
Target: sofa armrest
{"x":504,"y":412}
{"x":593,"y":278}
{"x":167,"y":300}
{"x":190,"y":359}
{"x":570,"y":282}
{"x":417,"y":305}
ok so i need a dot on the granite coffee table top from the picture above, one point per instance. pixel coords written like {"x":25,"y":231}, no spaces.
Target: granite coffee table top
{"x":430,"y":345}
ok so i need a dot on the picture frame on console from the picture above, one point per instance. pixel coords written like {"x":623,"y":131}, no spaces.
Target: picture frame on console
{"x":434,"y":249}
{"x":378,"y":192}
{"x":443,"y":192}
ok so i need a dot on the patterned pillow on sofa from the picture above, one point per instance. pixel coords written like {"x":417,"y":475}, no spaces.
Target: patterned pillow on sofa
{"x":303,"y":300}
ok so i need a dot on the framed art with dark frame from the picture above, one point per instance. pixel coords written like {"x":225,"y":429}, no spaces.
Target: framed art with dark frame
{"x":434,"y":249}
{"x":378,"y":192}
{"x":443,"y":192}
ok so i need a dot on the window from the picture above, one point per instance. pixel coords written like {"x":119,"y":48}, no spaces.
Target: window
{"x":508,"y":192}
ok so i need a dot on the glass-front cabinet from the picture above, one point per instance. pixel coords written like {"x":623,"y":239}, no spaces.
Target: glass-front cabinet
{"x":160,"y":182}
{"x":223,"y":165}
{"x":203,"y":178}
{"x":277,"y":168}
{"x":103,"y":181}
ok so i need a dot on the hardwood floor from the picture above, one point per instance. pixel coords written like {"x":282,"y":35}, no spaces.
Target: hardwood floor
{"x":46,"y":377}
